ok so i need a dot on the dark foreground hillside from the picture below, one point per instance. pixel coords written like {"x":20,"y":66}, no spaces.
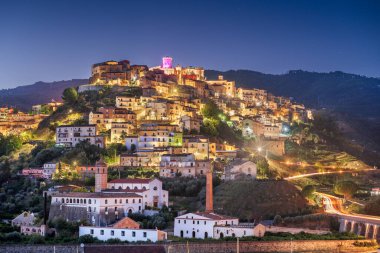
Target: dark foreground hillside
{"x":251,"y":199}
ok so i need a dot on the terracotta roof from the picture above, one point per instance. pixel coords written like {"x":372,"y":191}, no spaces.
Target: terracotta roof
{"x":100,"y":163}
{"x":208,"y":215}
{"x":214,"y":216}
{"x":131,"y":181}
{"x":97,"y":195}
{"x":122,"y":190}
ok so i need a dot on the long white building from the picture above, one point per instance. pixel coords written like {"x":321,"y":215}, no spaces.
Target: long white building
{"x":124,"y":234}
{"x":111,"y":201}
{"x":70,"y":136}
{"x":98,"y":208}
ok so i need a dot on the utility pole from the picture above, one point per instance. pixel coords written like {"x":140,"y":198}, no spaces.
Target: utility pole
{"x":291,"y":245}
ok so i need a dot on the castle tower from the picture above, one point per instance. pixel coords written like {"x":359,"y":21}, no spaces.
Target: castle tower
{"x":167,"y":62}
{"x":209,"y":197}
{"x":101,"y":174}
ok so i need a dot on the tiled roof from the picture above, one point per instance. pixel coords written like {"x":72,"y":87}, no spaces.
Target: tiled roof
{"x":131,"y":181}
{"x":97,"y":195}
{"x":214,"y":216}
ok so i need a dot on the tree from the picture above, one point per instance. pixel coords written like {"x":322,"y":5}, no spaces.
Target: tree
{"x":345,"y":188}
{"x":262,"y":167}
{"x":277,"y":220}
{"x":70,"y":95}
{"x":211,"y":110}
{"x":308,"y":191}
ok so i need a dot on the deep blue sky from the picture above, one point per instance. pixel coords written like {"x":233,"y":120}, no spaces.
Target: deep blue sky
{"x":57,"y":40}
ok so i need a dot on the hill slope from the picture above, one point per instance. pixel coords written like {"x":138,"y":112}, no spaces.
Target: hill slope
{"x":23,"y":97}
{"x":346,"y":93}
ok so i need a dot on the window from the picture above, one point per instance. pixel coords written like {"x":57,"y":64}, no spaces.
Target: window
{"x":133,"y":234}
{"x":133,"y":201}
{"x":139,"y":200}
{"x":179,"y":221}
{"x":122,"y":233}
{"x":144,"y":234}
{"x":106,"y":201}
{"x":126,"y":201}
{"x":102,"y":232}
{"x":92,"y":231}
{"x":112,"y":233}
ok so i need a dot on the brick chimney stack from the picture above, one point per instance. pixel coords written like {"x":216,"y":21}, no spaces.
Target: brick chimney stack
{"x":209,"y":197}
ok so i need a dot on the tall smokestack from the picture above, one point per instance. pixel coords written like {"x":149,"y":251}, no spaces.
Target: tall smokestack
{"x":209,"y":197}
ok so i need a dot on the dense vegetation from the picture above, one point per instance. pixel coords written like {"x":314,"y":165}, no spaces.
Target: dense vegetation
{"x":251,"y":199}
{"x":311,"y":221}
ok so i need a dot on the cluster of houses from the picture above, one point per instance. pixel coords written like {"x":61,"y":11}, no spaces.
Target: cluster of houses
{"x":16,"y":122}
{"x":161,"y":128}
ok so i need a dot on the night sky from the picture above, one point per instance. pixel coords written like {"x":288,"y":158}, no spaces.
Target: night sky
{"x":59,"y":40}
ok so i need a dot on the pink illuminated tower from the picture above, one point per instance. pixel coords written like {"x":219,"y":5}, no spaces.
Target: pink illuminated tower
{"x":167,"y":62}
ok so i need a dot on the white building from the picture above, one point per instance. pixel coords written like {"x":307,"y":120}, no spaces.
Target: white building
{"x":239,"y":231}
{"x":184,"y":165}
{"x":200,"y":225}
{"x":98,"y":208}
{"x":24,"y":219}
{"x":49,"y":169}
{"x":149,"y":189}
{"x":33,"y":230}
{"x":124,"y":234}
{"x":70,"y":136}
{"x":240,"y":167}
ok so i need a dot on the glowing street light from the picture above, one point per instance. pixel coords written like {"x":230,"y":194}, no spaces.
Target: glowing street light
{"x":259,"y":149}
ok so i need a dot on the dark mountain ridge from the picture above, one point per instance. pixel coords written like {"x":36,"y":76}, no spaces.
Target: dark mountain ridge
{"x":345,"y":93}
{"x":23,"y":97}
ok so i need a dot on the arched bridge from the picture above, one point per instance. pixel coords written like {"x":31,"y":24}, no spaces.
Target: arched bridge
{"x":364,"y":225}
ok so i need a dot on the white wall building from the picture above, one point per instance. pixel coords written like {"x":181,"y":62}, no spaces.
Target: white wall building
{"x":239,"y":231}
{"x":100,"y":208}
{"x":70,"y":136}
{"x":200,"y":225}
{"x":124,"y":234}
{"x":149,"y":189}
{"x":240,"y":167}
{"x":49,"y":169}
{"x":183,"y":164}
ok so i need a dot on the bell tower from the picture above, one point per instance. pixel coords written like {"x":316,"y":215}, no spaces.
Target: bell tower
{"x":101,"y":174}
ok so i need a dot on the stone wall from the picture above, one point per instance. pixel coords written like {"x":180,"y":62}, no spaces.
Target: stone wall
{"x":270,"y":246}
{"x":215,"y":247}
{"x":41,"y":249}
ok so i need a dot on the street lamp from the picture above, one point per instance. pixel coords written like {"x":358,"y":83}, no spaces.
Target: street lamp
{"x":259,"y":149}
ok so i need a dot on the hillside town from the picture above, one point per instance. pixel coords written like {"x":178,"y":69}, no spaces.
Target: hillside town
{"x":162,"y":124}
